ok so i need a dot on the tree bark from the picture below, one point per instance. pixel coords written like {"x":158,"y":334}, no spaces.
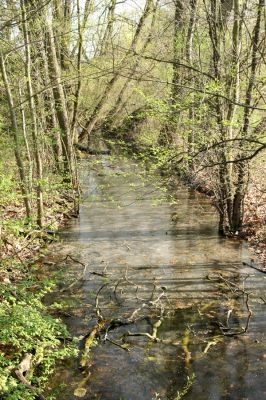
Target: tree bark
{"x":14,"y":129}
{"x":119,"y":100}
{"x":242,"y":167}
{"x":189,"y":59}
{"x":35,"y":133}
{"x":60,"y":105}
{"x":166,"y":136}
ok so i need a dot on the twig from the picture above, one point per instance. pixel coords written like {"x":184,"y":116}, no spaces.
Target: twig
{"x":98,"y":310}
{"x":80,"y":278}
{"x":253,"y":266}
{"x":236,"y":288}
{"x":102,"y":274}
{"x":118,"y":345}
{"x":148,"y":335}
{"x":73,"y":259}
{"x":135,"y":312}
{"x":127,"y":246}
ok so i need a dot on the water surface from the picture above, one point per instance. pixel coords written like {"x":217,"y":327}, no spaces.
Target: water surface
{"x":158,"y":251}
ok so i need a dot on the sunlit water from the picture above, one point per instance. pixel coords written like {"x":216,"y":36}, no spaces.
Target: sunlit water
{"x":160,"y":252}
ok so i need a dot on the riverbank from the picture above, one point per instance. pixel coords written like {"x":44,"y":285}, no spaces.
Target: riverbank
{"x":202,"y":181}
{"x":254,"y":224}
{"x":31,"y":341}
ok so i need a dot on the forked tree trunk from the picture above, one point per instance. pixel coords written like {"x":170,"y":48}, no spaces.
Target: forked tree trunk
{"x":225,"y":187}
{"x":242,"y":166}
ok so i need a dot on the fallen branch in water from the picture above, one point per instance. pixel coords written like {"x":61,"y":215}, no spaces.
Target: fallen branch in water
{"x":88,"y":342}
{"x":135,"y":312}
{"x":82,"y":275}
{"x":155,"y":327}
{"x":226,"y":330}
{"x":245,"y":329}
{"x":146,"y":334}
{"x":186,"y":388}
{"x":68,"y":256}
{"x":80,"y":278}
{"x":152,"y":338}
{"x":254,"y":267}
{"x":97,"y":307}
{"x":122,"y":346}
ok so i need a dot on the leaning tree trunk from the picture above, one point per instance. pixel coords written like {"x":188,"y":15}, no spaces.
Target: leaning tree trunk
{"x":117,"y":107}
{"x":90,"y":124}
{"x":78,"y":67}
{"x":60,"y":106}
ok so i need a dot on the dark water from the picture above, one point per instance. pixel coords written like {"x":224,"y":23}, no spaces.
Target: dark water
{"x":160,"y":254}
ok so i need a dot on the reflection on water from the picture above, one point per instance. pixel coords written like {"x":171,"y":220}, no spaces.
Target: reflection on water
{"x":168,"y":261}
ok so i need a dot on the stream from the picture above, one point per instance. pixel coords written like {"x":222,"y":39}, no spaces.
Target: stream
{"x":192,"y":312}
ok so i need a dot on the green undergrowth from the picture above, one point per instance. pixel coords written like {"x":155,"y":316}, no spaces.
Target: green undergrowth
{"x":26,"y":327}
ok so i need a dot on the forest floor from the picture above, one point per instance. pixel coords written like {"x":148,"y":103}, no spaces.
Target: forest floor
{"x":28,"y":334}
{"x":255,"y":214}
{"x":22,"y":242}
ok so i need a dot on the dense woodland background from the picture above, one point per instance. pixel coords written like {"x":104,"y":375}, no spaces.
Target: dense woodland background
{"x":189,"y":76}
{"x":182,"y":82}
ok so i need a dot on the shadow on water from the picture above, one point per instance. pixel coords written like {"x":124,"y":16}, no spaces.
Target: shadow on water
{"x":166,"y":261}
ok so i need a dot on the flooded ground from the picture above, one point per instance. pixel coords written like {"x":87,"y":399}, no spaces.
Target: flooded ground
{"x":183,"y":316}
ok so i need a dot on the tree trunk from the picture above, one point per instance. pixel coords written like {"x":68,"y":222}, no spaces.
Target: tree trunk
{"x":166,"y":136}
{"x":35,"y":133}
{"x":105,"y":42}
{"x":242,"y":167}
{"x":78,"y":88}
{"x":14,"y":129}
{"x":24,"y":130}
{"x":119,"y":101}
{"x":60,"y":106}
{"x":189,"y":49}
